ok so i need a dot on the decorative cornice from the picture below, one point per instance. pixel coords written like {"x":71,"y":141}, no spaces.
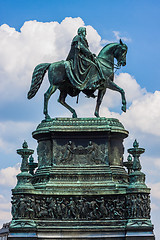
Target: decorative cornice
{"x":81,"y":125}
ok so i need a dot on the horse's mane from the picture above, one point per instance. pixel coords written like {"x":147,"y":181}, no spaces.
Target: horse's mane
{"x":107,"y":47}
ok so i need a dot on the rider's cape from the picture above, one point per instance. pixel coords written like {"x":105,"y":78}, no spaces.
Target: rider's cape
{"x":82,"y":72}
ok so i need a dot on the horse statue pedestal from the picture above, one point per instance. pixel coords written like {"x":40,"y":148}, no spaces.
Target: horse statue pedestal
{"x":80,"y":189}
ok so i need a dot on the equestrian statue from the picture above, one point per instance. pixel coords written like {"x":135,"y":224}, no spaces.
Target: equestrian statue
{"x":82,"y":71}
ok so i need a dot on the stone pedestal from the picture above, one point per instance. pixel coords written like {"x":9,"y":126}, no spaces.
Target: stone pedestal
{"x":81,"y":189}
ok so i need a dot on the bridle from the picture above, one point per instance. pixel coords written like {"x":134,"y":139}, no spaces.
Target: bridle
{"x":116,"y":66}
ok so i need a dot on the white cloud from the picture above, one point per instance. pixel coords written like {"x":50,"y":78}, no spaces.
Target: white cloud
{"x":154,"y":207}
{"x":8,"y":176}
{"x":132,"y":89}
{"x":118,"y":36}
{"x":143,"y":114}
{"x":155,"y":189}
{"x":157,"y":163}
{"x":1,"y":197}
{"x":94,"y":40}
{"x":5,"y":216}
{"x":5,"y":206}
{"x":5,"y":209}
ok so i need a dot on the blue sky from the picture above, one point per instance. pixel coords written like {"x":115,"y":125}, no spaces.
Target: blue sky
{"x":24,"y":43}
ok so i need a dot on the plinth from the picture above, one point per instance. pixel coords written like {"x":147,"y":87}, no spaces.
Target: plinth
{"x":81,"y":189}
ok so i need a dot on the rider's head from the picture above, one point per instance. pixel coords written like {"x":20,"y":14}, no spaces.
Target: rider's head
{"x":82,"y":31}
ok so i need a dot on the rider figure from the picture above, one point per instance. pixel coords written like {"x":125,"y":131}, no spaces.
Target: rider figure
{"x":82,"y":62}
{"x":80,"y":46}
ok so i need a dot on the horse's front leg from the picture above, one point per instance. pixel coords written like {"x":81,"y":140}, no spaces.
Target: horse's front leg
{"x":61,"y":100}
{"x":99,"y":101}
{"x":115,"y":87}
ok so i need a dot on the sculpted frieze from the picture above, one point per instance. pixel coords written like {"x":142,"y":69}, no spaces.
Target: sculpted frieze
{"x":81,"y":207}
{"x":71,"y":153}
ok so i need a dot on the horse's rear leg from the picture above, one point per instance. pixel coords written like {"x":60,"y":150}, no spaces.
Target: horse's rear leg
{"x":47,"y":96}
{"x":61,"y":100}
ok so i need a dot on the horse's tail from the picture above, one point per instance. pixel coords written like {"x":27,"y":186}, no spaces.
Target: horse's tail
{"x":37,"y":78}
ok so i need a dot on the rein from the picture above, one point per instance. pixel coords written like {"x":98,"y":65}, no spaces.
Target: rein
{"x":113,"y":64}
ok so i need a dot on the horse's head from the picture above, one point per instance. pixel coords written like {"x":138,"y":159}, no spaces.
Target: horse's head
{"x":114,"y":50}
{"x":120,"y":53}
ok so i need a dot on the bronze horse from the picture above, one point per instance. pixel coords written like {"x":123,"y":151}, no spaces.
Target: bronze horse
{"x":58,"y":79}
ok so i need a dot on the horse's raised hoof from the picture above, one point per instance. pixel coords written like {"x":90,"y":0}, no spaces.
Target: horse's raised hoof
{"x":123,"y":108}
{"x":74,"y":115}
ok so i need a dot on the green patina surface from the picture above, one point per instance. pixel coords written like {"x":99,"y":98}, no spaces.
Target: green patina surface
{"x":80,"y":183}
{"x":81,"y":72}
{"x":82,"y":124}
